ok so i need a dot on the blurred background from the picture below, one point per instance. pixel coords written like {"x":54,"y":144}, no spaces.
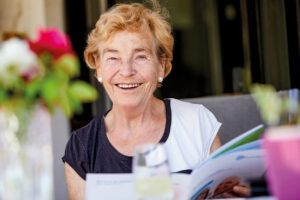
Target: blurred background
{"x":221,"y":46}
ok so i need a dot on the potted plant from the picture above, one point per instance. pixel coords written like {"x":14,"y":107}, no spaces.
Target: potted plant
{"x":36,"y":76}
{"x":281,"y":140}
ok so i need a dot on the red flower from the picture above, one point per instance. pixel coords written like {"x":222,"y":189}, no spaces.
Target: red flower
{"x":53,"y":42}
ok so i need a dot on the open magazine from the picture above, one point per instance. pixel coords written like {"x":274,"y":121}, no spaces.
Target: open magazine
{"x":234,"y":163}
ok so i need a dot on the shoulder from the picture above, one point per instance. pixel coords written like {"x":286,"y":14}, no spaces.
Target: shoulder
{"x":89,"y":129}
{"x":192,"y":114}
{"x":183,"y":104}
{"x":80,"y":146}
{"x":85,"y":138}
{"x":187,"y":108}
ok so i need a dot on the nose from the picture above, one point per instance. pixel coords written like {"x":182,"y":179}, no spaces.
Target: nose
{"x":127,"y":69}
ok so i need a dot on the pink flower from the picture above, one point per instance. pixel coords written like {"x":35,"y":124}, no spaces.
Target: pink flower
{"x":53,"y":42}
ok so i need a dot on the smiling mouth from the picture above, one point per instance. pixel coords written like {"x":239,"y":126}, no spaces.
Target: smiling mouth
{"x":128,"y":86}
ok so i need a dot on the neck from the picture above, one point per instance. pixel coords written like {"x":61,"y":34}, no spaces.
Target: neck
{"x":130,"y":119}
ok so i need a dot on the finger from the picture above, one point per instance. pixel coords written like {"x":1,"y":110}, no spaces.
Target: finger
{"x":228,"y":195}
{"x":242,"y":190}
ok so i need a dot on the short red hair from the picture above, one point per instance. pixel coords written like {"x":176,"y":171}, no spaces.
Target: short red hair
{"x":132,"y":17}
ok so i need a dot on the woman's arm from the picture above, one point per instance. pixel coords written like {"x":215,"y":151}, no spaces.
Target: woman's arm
{"x":76,"y":185}
{"x":215,"y":144}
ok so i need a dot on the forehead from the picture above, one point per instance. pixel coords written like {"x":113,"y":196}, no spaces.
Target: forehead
{"x":125,"y":40}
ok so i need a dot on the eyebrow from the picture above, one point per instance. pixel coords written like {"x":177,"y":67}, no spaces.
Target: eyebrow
{"x":108,"y":50}
{"x":136,"y":50}
{"x":142,"y":49}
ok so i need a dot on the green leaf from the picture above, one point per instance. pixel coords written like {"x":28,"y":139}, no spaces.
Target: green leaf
{"x":65,"y":104}
{"x":50,"y":90}
{"x":3,"y":94}
{"x":32,"y":89}
{"x":75,"y":104}
{"x":18,"y":85}
{"x":83,"y":91}
{"x":69,"y":64}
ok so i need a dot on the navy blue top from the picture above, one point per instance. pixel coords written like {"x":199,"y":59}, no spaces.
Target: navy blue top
{"x":89,"y":150}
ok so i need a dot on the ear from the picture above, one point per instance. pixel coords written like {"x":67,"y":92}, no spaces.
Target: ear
{"x":97,"y":65}
{"x":162,"y":67}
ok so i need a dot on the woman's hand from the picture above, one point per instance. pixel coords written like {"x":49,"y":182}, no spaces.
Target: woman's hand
{"x":238,"y":191}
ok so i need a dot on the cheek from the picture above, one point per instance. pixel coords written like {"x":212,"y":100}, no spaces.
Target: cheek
{"x":149,"y":72}
{"x":108,"y":71}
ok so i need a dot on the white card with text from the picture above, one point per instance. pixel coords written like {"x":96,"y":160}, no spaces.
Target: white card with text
{"x":109,"y":187}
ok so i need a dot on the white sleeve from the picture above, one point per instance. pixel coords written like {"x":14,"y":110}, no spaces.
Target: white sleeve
{"x":192,"y":132}
{"x":210,"y":126}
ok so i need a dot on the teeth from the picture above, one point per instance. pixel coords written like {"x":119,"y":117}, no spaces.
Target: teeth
{"x":128,"y":85}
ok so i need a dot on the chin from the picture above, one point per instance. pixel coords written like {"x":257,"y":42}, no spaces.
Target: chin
{"x":131,"y":102}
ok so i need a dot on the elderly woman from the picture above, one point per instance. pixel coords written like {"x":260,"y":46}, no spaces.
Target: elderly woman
{"x":131,"y":51}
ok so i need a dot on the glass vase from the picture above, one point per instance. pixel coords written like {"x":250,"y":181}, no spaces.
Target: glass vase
{"x":26,"y":170}
{"x":152,"y":178}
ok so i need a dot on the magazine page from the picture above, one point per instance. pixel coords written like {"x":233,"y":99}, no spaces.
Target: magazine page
{"x":181,"y":183}
{"x":121,"y":186}
{"x":251,"y":145}
{"x":221,"y":174}
{"x":109,"y":186}
{"x":249,"y":136}
{"x":245,"y":138}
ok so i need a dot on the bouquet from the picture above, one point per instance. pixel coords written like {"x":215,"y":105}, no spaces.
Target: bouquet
{"x":41,"y":72}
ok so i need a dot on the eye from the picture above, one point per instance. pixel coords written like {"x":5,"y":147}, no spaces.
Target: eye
{"x":141,"y":57}
{"x":112,"y":58}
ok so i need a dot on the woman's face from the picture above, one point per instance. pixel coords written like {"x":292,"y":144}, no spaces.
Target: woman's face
{"x":129,"y":67}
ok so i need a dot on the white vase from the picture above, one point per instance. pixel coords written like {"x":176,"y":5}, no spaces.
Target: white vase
{"x":26,"y":170}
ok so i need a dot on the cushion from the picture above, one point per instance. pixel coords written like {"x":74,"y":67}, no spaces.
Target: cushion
{"x":236,"y":113}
